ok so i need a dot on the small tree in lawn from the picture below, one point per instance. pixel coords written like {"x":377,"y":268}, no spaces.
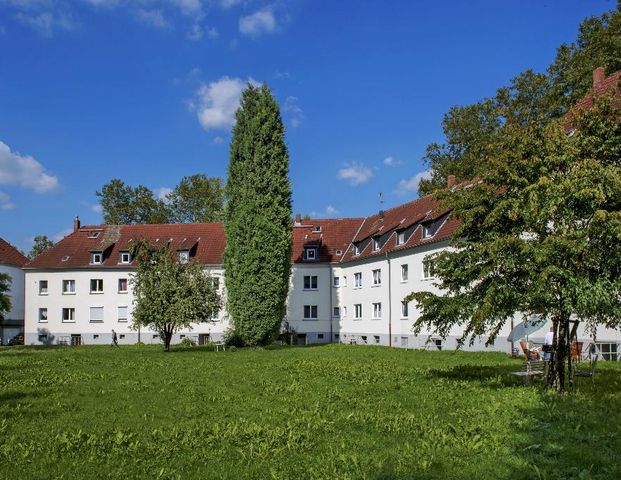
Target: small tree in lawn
{"x":257,"y":260}
{"x":170,"y":295}
{"x":5,"y":299}
{"x":540,"y":235}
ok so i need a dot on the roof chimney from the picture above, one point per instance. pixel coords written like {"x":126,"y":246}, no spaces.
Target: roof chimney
{"x":76,"y":224}
{"x":599,"y":74}
{"x":451,"y":181}
{"x":298,"y":218}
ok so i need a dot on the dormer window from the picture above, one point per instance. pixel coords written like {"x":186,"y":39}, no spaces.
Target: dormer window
{"x":426,"y":231}
{"x":93,"y":234}
{"x":317,"y":229}
{"x":96,"y":258}
{"x":310,"y":254}
{"x":339,"y":252}
{"x":184,"y":256}
{"x":400,"y":238}
{"x":356,"y":250}
{"x":125,"y":257}
{"x":376,"y":245}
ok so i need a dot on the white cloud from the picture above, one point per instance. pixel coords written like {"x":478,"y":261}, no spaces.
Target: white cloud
{"x":57,"y":237}
{"x":46,"y":22}
{"x":293,"y":111}
{"x":355,"y":173}
{"x":258,"y":23}
{"x":212,"y":32}
{"x":96,"y":207}
{"x":217,"y":140}
{"x":229,"y":3}
{"x":392,"y":162}
{"x":162,"y":193}
{"x":329,"y":212}
{"x":410,"y":185}
{"x":24,"y":171}
{"x":5,"y":202}
{"x":216,"y":103}
{"x":196,"y":32}
{"x":153,"y":18}
{"x":190,"y":7}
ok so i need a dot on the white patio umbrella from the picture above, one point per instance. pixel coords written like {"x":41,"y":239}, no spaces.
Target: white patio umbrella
{"x":525,"y":328}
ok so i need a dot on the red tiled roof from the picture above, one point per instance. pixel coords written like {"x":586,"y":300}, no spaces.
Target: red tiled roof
{"x":336,"y":234}
{"x":9,"y":255}
{"x":607,"y":85}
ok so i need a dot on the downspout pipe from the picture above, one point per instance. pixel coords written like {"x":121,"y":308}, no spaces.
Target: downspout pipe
{"x":389,"y":302}
{"x":330,"y":316}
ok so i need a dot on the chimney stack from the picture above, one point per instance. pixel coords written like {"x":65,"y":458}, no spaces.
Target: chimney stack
{"x":298,"y":218}
{"x":599,"y":74}
{"x":451,"y":181}
{"x":76,"y":224}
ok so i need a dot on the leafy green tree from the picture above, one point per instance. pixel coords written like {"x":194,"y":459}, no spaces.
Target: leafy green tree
{"x":540,"y":235}
{"x":257,"y":258}
{"x":470,"y":130}
{"x":5,"y":299}
{"x":197,"y":198}
{"x":170,"y":295}
{"x":41,"y":244}
{"x":124,"y":205}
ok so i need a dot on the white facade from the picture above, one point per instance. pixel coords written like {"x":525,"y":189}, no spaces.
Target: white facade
{"x":14,"y":319}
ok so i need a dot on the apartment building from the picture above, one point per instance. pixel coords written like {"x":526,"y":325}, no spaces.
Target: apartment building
{"x":11,"y":263}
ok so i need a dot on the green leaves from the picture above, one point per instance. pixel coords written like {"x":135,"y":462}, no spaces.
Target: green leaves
{"x":257,"y":258}
{"x":5,"y":299}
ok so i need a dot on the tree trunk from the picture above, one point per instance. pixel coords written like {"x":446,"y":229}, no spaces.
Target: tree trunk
{"x":556,"y":371}
{"x":167,"y":339}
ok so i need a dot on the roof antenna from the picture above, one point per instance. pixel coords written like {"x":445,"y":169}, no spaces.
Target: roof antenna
{"x":380,"y":200}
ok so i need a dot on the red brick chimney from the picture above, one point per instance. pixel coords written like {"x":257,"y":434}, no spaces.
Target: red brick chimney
{"x":76,"y":224}
{"x":451,"y":181}
{"x":599,"y":74}
{"x":298,"y":218}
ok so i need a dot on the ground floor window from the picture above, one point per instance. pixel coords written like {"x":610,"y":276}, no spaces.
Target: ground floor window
{"x":358,"y":310}
{"x":68,"y":314}
{"x":43,"y":315}
{"x":310,"y":312}
{"x":609,"y":351}
{"x":405,"y":311}
{"x":97,"y":314}
{"x":376,"y":338}
{"x":377,"y":310}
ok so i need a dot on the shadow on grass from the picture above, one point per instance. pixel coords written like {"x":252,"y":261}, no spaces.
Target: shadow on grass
{"x":496,"y":376}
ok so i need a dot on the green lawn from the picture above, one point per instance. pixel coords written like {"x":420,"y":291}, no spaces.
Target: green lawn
{"x":343,"y":412}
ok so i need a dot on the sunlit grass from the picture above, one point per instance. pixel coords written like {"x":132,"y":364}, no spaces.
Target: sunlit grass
{"x":317,"y":412}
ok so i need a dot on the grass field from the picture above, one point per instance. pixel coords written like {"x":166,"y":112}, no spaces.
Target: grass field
{"x":343,"y":412}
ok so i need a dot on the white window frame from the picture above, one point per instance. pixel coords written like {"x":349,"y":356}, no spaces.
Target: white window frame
{"x":183,"y":256}
{"x":310,"y":312}
{"x":96,"y":258}
{"x":41,"y":319}
{"x":358,"y":311}
{"x":310,"y":282}
{"x":376,"y":245}
{"x":400,"y":238}
{"x":119,"y":318}
{"x":96,"y":318}
{"x":98,"y":282}
{"x":377,"y":310}
{"x":44,"y":291}
{"x":428,"y":273}
{"x":358,"y":280}
{"x":425,"y":232}
{"x":125,"y":258}
{"x":70,"y":315}
{"x":344,"y":312}
{"x":126,"y":285}
{"x":405,"y":310}
{"x":356,"y":250}
{"x":65,"y":284}
{"x":377,"y":277}
{"x":307,"y":254}
{"x":405,"y":272}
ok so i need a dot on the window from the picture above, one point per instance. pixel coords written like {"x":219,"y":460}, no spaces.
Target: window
{"x":122,"y":285}
{"x":184,"y":256}
{"x":121,"y":336}
{"x":43,"y":337}
{"x":344,"y":312}
{"x":97,"y":314}
{"x":339,"y":252}
{"x":43,"y":315}
{"x":405,"y":310}
{"x":95,"y":336}
{"x":310,"y":312}
{"x":358,"y":280}
{"x":336,"y":281}
{"x":317,"y":228}
{"x":96,"y":285}
{"x":376,"y":245}
{"x":427,"y":270}
{"x":426,"y":231}
{"x":400,"y":238}
{"x":125,"y":257}
{"x":42,"y":287}
{"x":122,"y":313}
{"x":320,"y":336}
{"x":68,"y":314}
{"x":68,"y":286}
{"x":356,"y":250}
{"x":377,"y":310}
{"x":215,"y":283}
{"x":310,"y":254}
{"x":358,"y":310}
{"x":156,"y":335}
{"x":404,"y":272}
{"x":215,"y":315}
{"x":336,"y":312}
{"x":377,"y":277}
{"x":609,"y":351}
{"x":310,"y":282}
{"x":93,"y":234}
{"x":96,"y":258}
{"x":376,"y":338}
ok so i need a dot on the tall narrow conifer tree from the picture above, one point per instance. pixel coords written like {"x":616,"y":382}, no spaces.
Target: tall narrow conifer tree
{"x":257,"y":259}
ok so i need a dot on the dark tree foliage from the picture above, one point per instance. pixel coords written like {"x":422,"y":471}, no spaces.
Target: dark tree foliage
{"x":540,"y":234}
{"x":197,"y":198}
{"x":41,"y":244}
{"x":5,"y":299}
{"x":257,"y":259}
{"x":125,"y":205}
{"x":530,"y":97}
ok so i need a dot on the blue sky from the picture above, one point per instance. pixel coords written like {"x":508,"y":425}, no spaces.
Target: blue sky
{"x":145,"y":90}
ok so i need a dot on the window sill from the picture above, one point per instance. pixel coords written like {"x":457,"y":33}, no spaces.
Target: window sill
{"x":310,"y":319}
{"x":122,"y":292}
{"x":405,"y":318}
{"x":310,"y":289}
{"x":43,"y":294}
{"x":404,"y":281}
{"x":357,"y":288}
{"x":68,"y":321}
{"x":96,"y":321}
{"x":376,"y":285}
{"x":122,"y":321}
{"x":68,"y":293}
{"x":428,"y":279}
{"x":97,"y":293}
{"x":43,"y":321}
{"x":376,"y":318}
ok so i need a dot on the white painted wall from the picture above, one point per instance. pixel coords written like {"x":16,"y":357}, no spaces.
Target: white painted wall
{"x":16,"y":292}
